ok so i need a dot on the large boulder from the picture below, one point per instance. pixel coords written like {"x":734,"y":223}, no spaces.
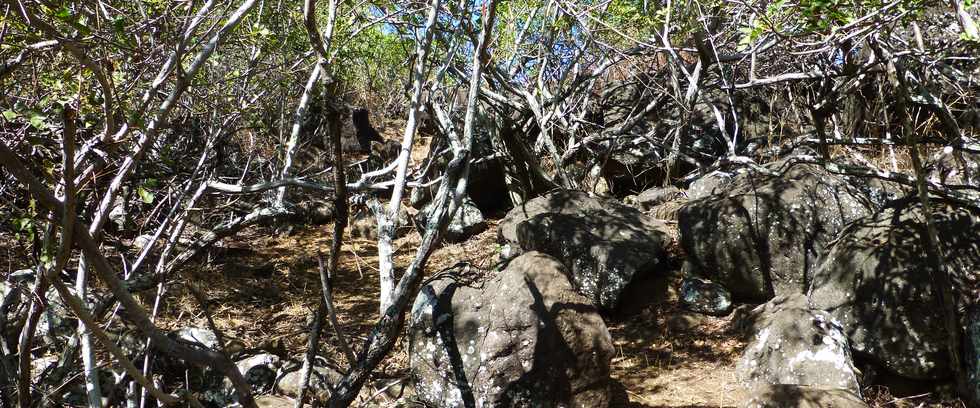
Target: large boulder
{"x":878,"y":282}
{"x":520,"y":338}
{"x":802,"y":396}
{"x":762,"y":237}
{"x":605,"y":245}
{"x":795,"y":344}
{"x":559,"y":201}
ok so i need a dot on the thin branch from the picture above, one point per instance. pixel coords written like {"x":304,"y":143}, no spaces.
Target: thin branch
{"x":131,"y":308}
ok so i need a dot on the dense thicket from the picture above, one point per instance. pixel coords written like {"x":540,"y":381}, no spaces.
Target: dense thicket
{"x":186,"y":122}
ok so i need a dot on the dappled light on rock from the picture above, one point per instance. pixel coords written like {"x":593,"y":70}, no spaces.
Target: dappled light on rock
{"x":521,"y":338}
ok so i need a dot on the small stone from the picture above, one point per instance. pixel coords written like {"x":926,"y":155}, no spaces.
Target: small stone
{"x":22,"y":276}
{"x":205,"y":337}
{"x":703,"y":296}
{"x":142,"y":241}
{"x":260,"y":371}
{"x":467,"y":222}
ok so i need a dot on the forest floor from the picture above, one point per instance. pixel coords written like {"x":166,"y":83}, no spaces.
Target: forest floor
{"x":264,"y":289}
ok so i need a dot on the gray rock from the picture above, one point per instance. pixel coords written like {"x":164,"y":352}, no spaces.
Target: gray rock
{"x":468,"y":221}
{"x":763,"y":236}
{"x":560,"y":202}
{"x":956,"y":168}
{"x":58,"y":323}
{"x":702,"y":296}
{"x":794,"y":344}
{"x":876,"y":280}
{"x":364,"y":224}
{"x":203,"y":336}
{"x":653,"y":197}
{"x":321,"y":379}
{"x":709,"y":184}
{"x":260,"y":371}
{"x":802,"y":396}
{"x":208,"y":381}
{"x":142,"y":241}
{"x":22,"y":276}
{"x":606,"y":249}
{"x":520,"y":338}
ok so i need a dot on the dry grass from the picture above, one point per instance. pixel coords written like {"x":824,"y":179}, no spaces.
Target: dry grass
{"x":263,"y":289}
{"x":881,"y":397}
{"x":668,"y":357}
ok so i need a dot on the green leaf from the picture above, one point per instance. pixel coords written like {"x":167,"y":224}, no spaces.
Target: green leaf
{"x":63,"y":14}
{"x":47,"y":260}
{"x":23,"y":224}
{"x":145,"y":195}
{"x":38,"y":122}
{"x":119,"y":24}
{"x":10,"y":115}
